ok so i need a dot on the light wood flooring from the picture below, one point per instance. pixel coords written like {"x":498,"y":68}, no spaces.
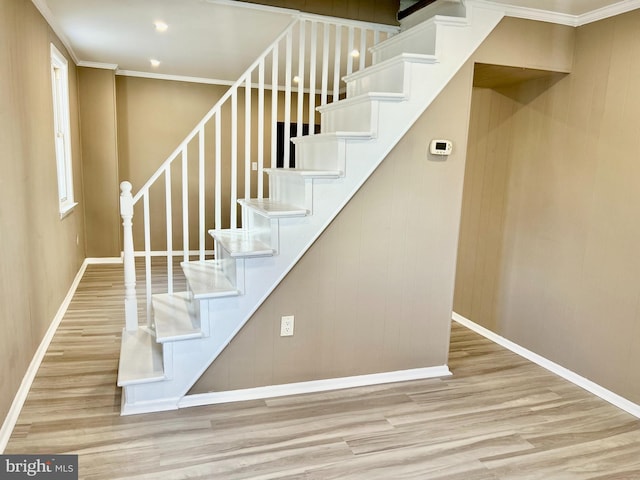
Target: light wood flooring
{"x":498,"y":417}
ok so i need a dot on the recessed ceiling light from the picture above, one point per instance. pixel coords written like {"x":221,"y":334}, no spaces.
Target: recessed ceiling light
{"x":154,"y":63}
{"x":161,"y":26}
{"x":355,"y":53}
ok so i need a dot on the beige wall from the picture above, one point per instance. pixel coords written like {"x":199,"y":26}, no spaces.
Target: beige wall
{"x":550,"y":238}
{"x":527,"y":44}
{"x":374,"y":293}
{"x":39,"y":253}
{"x":378,"y":11}
{"x":97,"y":95}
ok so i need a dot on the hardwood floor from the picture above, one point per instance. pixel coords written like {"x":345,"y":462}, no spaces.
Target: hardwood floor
{"x":498,"y":417}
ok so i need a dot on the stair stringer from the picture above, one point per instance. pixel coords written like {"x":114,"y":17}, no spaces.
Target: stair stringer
{"x":262,"y":275}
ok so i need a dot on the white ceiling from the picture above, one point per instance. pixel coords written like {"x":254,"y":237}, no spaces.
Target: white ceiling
{"x":205,"y":39}
{"x":216,"y":40}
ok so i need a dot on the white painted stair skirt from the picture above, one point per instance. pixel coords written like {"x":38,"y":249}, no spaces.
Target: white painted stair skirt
{"x":186,"y":331}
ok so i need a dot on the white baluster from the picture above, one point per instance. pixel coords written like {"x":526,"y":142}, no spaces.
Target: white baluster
{"x":274,"y":108}
{"x":287,"y":101}
{"x":233,"y":206}
{"x":336,"y":64}
{"x":363,"y":47}
{"x":300,"y":98}
{"x":312,"y":76}
{"x":247,"y":138}
{"x":325,"y":64}
{"x":218,"y":170}
{"x":260,"y":129}
{"x":130,"y":300}
{"x":185,"y":206}
{"x":349,"y":51}
{"x":169,"y":223}
{"x":201,"y":188}
{"x":147,"y":254}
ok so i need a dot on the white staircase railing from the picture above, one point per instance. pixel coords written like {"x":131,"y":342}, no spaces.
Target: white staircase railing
{"x":223,"y":157}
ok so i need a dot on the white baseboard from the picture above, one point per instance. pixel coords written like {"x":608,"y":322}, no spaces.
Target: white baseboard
{"x":103,"y":260}
{"x":273,"y":391}
{"x":152,"y":406}
{"x":588,"y":385}
{"x":21,"y":395}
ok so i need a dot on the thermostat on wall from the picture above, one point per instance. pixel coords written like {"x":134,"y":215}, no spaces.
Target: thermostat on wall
{"x":440,"y":147}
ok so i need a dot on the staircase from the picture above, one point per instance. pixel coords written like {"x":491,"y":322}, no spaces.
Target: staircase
{"x":187,"y":330}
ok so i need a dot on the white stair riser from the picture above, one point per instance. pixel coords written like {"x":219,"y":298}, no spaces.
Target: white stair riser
{"x":361,"y":117}
{"x":419,"y":39}
{"x":328,"y":154}
{"x":392,"y":79}
{"x":232,"y":267}
{"x":292,"y":190}
{"x":264,"y":229}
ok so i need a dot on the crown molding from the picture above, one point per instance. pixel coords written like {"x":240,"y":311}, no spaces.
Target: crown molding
{"x":527,"y":13}
{"x":103,"y":66}
{"x":43,"y":8}
{"x":609,"y":11}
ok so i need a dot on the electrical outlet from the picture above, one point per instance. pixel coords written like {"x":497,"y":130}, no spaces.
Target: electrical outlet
{"x":254,"y":166}
{"x":286,"y":326}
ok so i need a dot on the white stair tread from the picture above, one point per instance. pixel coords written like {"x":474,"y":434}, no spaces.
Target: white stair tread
{"x":175,"y":317}
{"x":140,"y":359}
{"x":241,"y":243}
{"x":206,"y":279}
{"x":365,"y":97}
{"x":273,"y":209}
{"x":305,"y":173}
{"x":385,"y":64}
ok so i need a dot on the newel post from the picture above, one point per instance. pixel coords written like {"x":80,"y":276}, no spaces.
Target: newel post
{"x":130,"y":300}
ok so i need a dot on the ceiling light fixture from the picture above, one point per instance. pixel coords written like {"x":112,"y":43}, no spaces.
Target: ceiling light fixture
{"x":154,"y":63}
{"x":296,"y":79}
{"x":355,"y":53}
{"x":161,"y":26}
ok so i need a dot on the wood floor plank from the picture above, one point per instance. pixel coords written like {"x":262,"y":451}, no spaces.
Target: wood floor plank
{"x":497,"y":417}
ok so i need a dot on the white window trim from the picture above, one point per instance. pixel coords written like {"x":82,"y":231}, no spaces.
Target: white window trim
{"x":62,"y":130}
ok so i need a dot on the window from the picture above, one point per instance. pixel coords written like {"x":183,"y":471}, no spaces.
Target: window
{"x":62,"y":130}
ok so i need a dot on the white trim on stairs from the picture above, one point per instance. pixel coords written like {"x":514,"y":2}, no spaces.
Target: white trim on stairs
{"x":588,"y":385}
{"x":314,"y":386}
{"x":27,"y":380}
